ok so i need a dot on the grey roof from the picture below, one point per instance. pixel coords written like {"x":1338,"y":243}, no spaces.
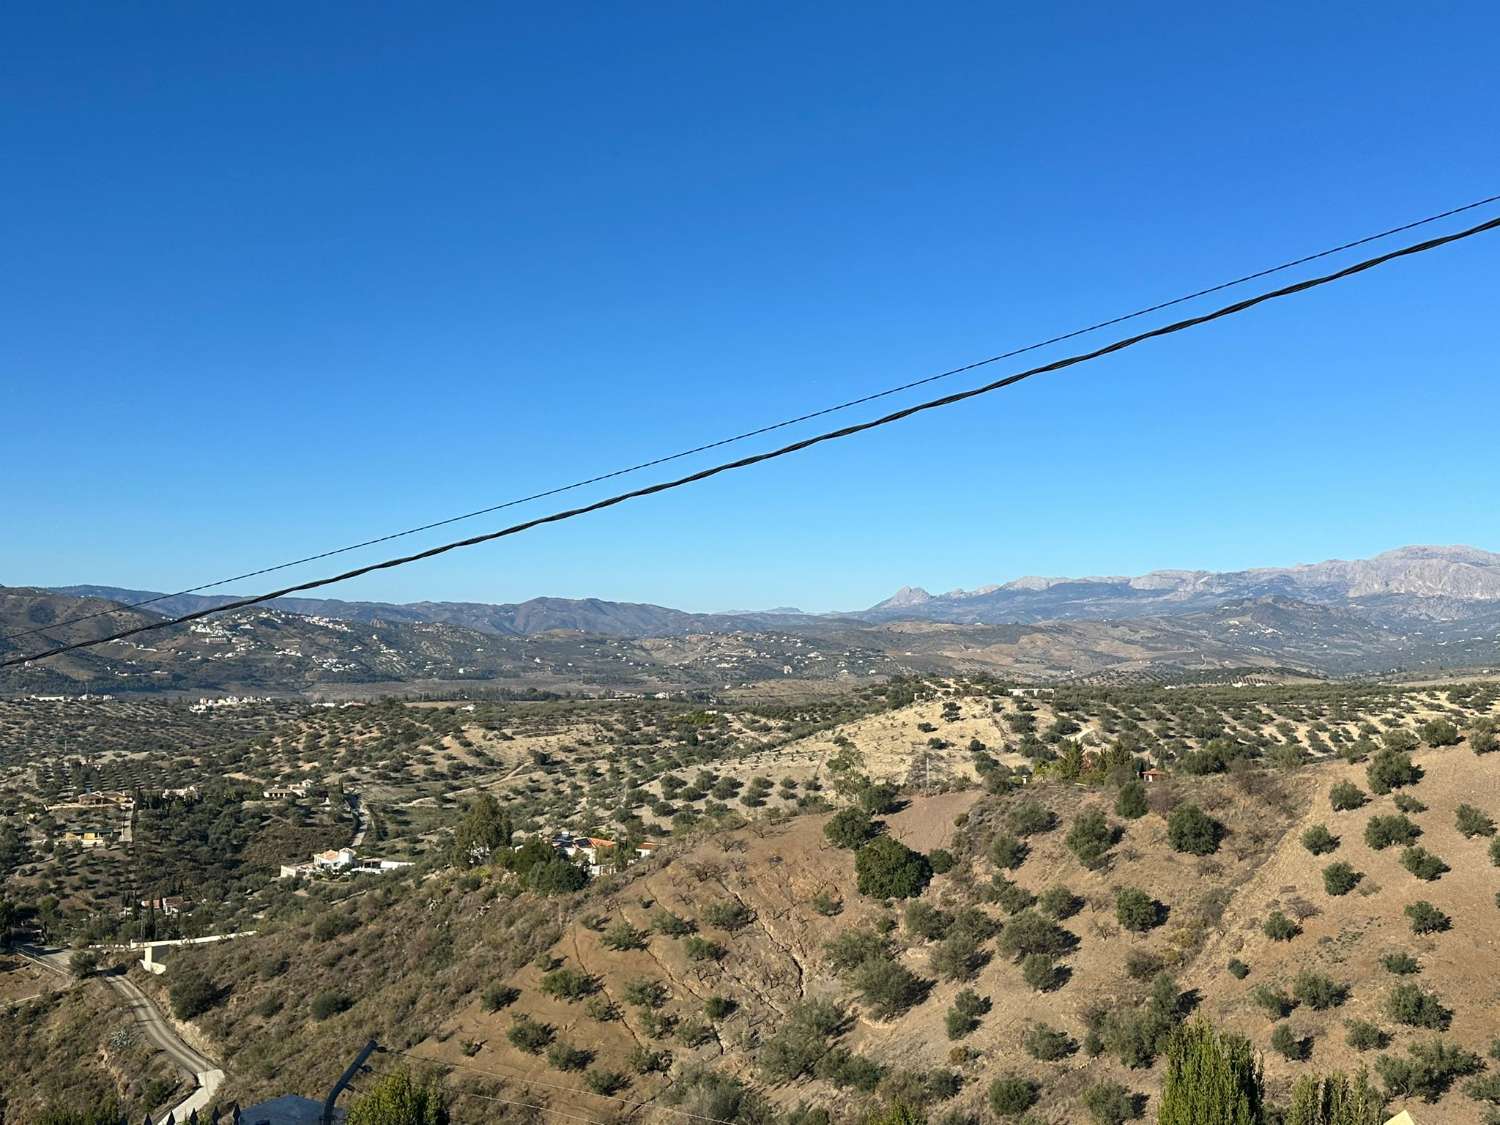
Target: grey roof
{"x":289,"y":1109}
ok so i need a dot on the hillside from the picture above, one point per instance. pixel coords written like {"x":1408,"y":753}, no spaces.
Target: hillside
{"x":740,"y":973}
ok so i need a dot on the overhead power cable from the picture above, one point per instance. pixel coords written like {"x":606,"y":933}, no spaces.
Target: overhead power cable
{"x":794,"y":447}
{"x":774,"y":426}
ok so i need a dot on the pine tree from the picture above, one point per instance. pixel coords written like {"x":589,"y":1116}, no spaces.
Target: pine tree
{"x":1211,"y":1079}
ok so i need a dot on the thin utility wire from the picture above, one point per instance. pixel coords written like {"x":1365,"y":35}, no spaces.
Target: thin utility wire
{"x":795,"y":447}
{"x":778,"y":425}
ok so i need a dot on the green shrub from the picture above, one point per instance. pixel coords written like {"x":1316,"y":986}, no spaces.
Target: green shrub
{"x":1142,"y":964}
{"x":1276,"y":1004}
{"x":942,"y":861}
{"x":623,"y":936}
{"x":1366,"y":1036}
{"x":1346,"y":796}
{"x":702,"y":949}
{"x":1010,"y":896}
{"x":645,"y":992}
{"x":1007,"y":852}
{"x":1047,"y":1044}
{"x":1278,"y":927}
{"x":728,"y":914}
{"x":1238,"y":969}
{"x":1136,"y":910}
{"x":1131,"y":801}
{"x":1091,"y":837}
{"x":1110,"y":1103}
{"x":664,"y":922}
{"x":1414,"y":1006}
{"x":1210,"y":1077}
{"x":1340,"y":878}
{"x":719,"y":1007}
{"x":605,"y":1082}
{"x":1423,"y":864}
{"x":1427,"y":919}
{"x":1391,"y":769}
{"x":1059,"y":903}
{"x":1429,"y":1072}
{"x":850,"y":828}
{"x":1438,"y":732}
{"x":926,"y":921}
{"x":1288,"y":1044}
{"x":527,"y":1034}
{"x":1408,"y":804}
{"x":562,"y":1056}
{"x":1030,"y":817}
{"x":1028,"y":932}
{"x":886,"y":868}
{"x":1012,"y":1095}
{"x":1401,"y":964}
{"x":887,"y":986}
{"x":958,"y":957}
{"x":193,"y":993}
{"x":1317,"y":991}
{"x":569,"y":984}
{"x":1041,"y":972}
{"x":1319,"y":840}
{"x":852,"y":947}
{"x":1384,"y":831}
{"x":1474,"y":822}
{"x":967,"y":1010}
{"x":1191,"y":830}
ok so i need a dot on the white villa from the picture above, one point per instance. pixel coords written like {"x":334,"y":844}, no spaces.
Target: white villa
{"x":343,"y":861}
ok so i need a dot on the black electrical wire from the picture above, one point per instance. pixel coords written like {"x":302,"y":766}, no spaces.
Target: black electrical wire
{"x":795,"y":447}
{"x":775,"y":425}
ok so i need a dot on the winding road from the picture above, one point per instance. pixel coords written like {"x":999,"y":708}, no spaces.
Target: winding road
{"x":153,"y":1024}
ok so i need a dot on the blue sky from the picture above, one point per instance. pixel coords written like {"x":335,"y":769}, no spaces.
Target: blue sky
{"x":283,"y":276}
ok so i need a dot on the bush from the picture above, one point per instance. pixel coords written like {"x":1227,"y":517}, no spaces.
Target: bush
{"x":719,"y":1007}
{"x":497,"y":996}
{"x":1041,"y":972}
{"x":1366,"y":1036}
{"x":1495,"y":851}
{"x":1430,"y":1071}
{"x":1058,"y":903}
{"x":942,"y":861}
{"x":1319,"y":840}
{"x":1346,"y":796}
{"x":1131,"y":801}
{"x":555,"y":877}
{"x":1401,"y":964}
{"x":958,"y":957}
{"x":926,"y":922}
{"x":1010,"y":896}
{"x":1391,"y":769}
{"x":1238,"y":969}
{"x":1474,"y":822}
{"x":527,"y":1034}
{"x":1438,"y":732}
{"x":1408,"y":804}
{"x":1191,"y":830}
{"x":1136,"y":910}
{"x":886,"y":868}
{"x":1384,"y":831}
{"x":1007,"y":852}
{"x":664,"y":922}
{"x":1427,"y":919}
{"x":1142,"y":964}
{"x":562,"y":1056}
{"x":701,"y":949}
{"x":1414,"y":1006}
{"x":887,"y":986}
{"x":801,"y":1043}
{"x":1110,"y":1103}
{"x":605,"y":1082}
{"x":1275,"y":1003}
{"x":1029,"y":817}
{"x":193,"y":993}
{"x":967,"y":1010}
{"x":645,"y":992}
{"x":1317,"y":991}
{"x":728,"y":914}
{"x":1423,"y":864}
{"x":1278,"y":927}
{"x":1091,"y":837}
{"x":644,"y":1060}
{"x":1340,"y":878}
{"x":1288,"y":1044}
{"x":1012,"y":1095}
{"x":1047,"y":1044}
{"x":568,"y":984}
{"x":623,"y":936}
{"x":850,"y":828}
{"x":1210,"y":1077}
{"x":1028,"y":932}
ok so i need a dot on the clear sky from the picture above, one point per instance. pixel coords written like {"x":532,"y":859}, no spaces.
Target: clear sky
{"x":281,"y":276}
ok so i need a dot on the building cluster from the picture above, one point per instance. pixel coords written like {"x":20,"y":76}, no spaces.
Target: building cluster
{"x":341,"y":861}
{"x":595,"y":852}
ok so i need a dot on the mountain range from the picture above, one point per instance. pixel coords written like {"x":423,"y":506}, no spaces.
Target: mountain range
{"x":1412,"y":609}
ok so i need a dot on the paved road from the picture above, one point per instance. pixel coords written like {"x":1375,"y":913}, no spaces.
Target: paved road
{"x":361,"y":819}
{"x":155,"y":1026}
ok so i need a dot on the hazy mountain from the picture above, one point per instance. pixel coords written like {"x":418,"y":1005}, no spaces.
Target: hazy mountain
{"x":1434,"y":583}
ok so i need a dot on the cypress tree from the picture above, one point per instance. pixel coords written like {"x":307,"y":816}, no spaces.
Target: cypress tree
{"x":1211,"y":1079}
{"x":1335,"y":1099}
